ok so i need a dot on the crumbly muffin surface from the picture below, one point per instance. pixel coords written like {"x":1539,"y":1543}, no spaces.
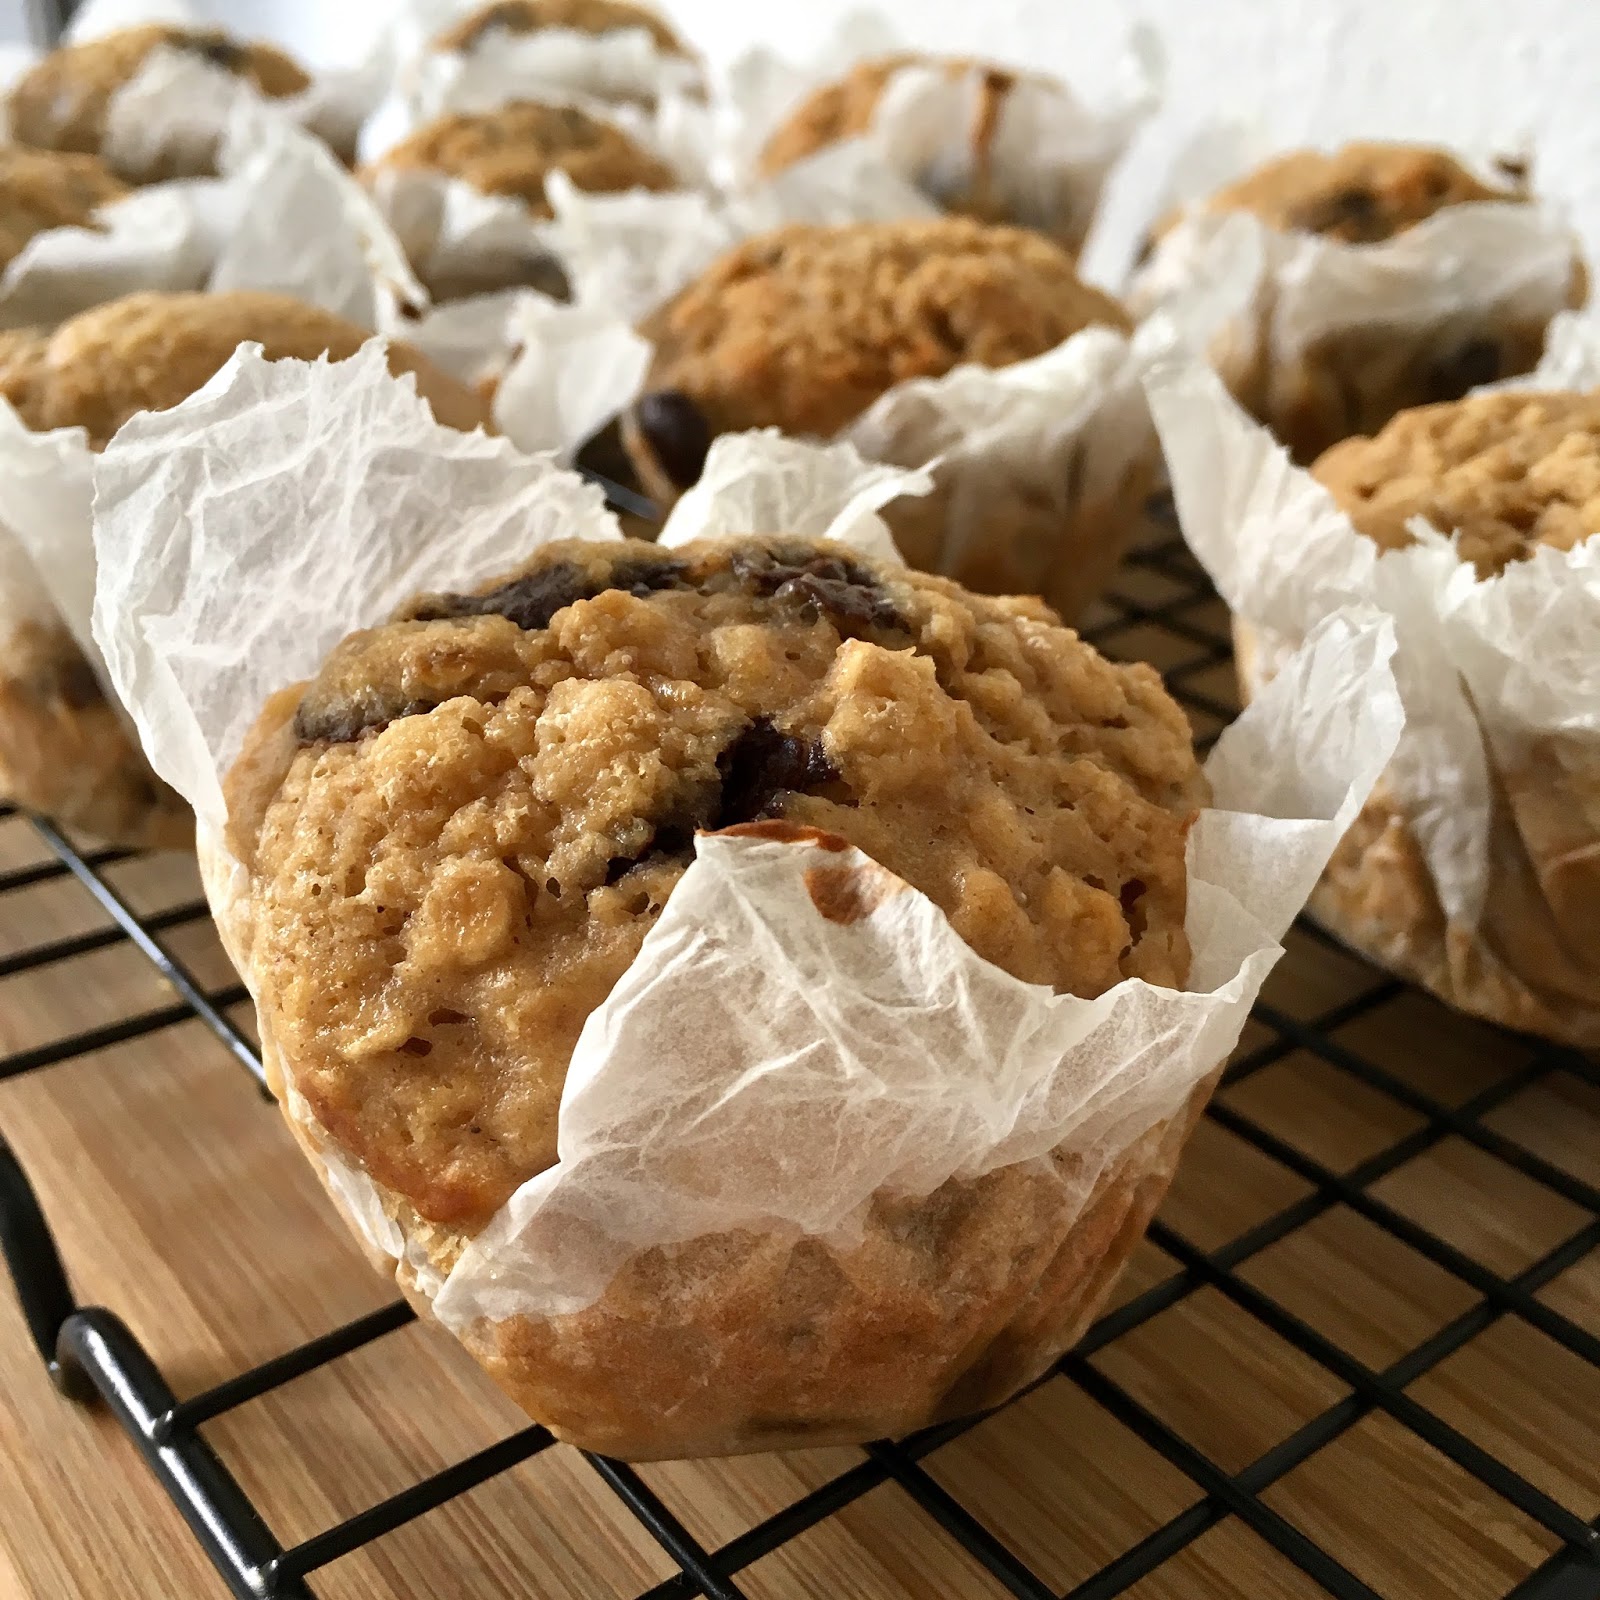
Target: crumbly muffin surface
{"x":804,"y":327}
{"x":148,"y":352}
{"x":1507,"y":471}
{"x":461,"y":831}
{"x":1363,"y":193}
{"x":61,"y":103}
{"x":43,"y":189}
{"x":512,"y":150}
{"x":582,"y":16}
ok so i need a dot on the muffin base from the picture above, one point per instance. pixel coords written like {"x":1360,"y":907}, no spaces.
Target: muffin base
{"x":1533,"y":961}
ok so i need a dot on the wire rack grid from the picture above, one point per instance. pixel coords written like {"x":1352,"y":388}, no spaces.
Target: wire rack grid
{"x":1161,"y":608}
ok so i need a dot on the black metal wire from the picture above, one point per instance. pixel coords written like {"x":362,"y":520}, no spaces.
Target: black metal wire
{"x":90,"y":1350}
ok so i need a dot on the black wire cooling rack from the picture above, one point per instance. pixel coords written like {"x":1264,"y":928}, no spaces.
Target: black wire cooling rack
{"x":92,"y":1352}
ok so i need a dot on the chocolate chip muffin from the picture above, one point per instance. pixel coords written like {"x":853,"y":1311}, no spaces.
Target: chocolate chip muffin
{"x":1508,"y":474}
{"x":1505,"y":472}
{"x":459,"y":833}
{"x":510,"y":151}
{"x":1326,"y":373}
{"x":62,"y":102}
{"x":1361,"y":194}
{"x":514,"y":17}
{"x":804,"y":328}
{"x":64,"y":750}
{"x":147,"y":352}
{"x":44,"y":189}
{"x":846,"y":108}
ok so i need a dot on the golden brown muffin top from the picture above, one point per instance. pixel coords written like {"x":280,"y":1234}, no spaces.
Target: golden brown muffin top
{"x":60,"y":103}
{"x":462,"y":829}
{"x":844,"y":109}
{"x":43,"y":189}
{"x":1361,"y":194}
{"x":512,"y":150}
{"x":148,"y":352}
{"x":804,"y":327}
{"x":1508,"y":472}
{"x":582,"y":16}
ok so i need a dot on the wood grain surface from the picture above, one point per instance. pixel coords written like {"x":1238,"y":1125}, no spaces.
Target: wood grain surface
{"x":179,"y":1201}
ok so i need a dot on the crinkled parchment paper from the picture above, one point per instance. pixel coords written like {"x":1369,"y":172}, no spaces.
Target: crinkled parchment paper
{"x":286,"y":217}
{"x":1041,"y":160}
{"x":758,"y":1065}
{"x":1302,"y":327}
{"x":178,"y":105}
{"x":1041,"y":468}
{"x":1500,"y":678}
{"x":621,"y":68}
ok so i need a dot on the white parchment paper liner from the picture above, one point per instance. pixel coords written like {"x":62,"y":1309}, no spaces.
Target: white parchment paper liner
{"x":1321,"y":339}
{"x":1041,"y":163}
{"x":757,"y":1067}
{"x":1500,"y":679}
{"x":284,"y":217}
{"x":625,"y":67}
{"x":178,"y":106}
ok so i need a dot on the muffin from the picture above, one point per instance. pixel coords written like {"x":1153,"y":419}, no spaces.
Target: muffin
{"x":806,"y":327}
{"x":509,"y":152}
{"x":1509,"y":474}
{"x":607,"y":50}
{"x":517,"y":18}
{"x":65,"y":750}
{"x":1322,"y":365}
{"x":457,"y":836}
{"x":1363,"y":193}
{"x":62,"y":103}
{"x":980,"y":184}
{"x":44,"y":189}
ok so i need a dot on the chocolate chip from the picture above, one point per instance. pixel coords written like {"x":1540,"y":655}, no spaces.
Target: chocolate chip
{"x":1351,"y":213}
{"x":676,"y":431}
{"x":342,"y":719}
{"x":533,"y":599}
{"x":1476,"y":362}
{"x":76,"y":685}
{"x":764,"y":763}
{"x":757,"y":768}
{"x":219,"y":51}
{"x":818,"y":585}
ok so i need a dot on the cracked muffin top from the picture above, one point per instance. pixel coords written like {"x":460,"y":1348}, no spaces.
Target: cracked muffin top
{"x":804,"y":327}
{"x":581,"y":16}
{"x":61,"y":103}
{"x":1508,"y":472}
{"x":514,"y":148}
{"x":1363,"y":193}
{"x":43,"y":189}
{"x":461,"y":830}
{"x":148,"y":352}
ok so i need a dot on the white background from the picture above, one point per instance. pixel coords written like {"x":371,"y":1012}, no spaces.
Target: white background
{"x":1483,"y":74}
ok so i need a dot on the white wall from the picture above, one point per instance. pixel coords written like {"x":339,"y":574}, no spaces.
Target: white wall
{"x":1484,"y":74}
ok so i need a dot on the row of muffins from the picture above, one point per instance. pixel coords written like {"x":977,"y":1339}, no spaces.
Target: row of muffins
{"x":445,"y":850}
{"x":803,"y":329}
